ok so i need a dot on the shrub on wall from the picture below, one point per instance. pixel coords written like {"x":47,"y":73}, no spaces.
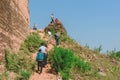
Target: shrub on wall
{"x":33,"y":41}
{"x":11,"y":61}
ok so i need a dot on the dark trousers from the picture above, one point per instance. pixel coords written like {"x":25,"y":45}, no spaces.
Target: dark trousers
{"x":43,"y":63}
{"x":45,"y":59}
{"x":57,"y":42}
{"x":39,"y":64}
{"x":52,"y":20}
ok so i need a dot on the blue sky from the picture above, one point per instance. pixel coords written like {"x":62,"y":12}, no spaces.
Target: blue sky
{"x":91,"y":22}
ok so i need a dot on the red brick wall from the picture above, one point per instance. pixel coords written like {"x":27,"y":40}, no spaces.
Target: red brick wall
{"x":14,"y":24}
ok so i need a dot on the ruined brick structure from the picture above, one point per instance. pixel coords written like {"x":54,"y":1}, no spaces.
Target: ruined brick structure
{"x":14,"y":24}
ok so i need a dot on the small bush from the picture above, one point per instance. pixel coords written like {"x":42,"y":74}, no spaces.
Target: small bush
{"x":33,"y":42}
{"x":115,"y":54}
{"x":53,"y":30}
{"x":11,"y":61}
{"x":81,"y":65}
{"x":66,"y":38}
{"x":4,"y":76}
{"x":87,"y":46}
{"x":118,"y":54}
{"x":62,"y":61}
{"x":98,"y":50}
{"x":16,"y":62}
{"x":24,"y":75}
{"x":24,"y":49}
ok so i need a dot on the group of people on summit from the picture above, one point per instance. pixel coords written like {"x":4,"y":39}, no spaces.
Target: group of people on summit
{"x":42,"y":52}
{"x":56,"y":35}
{"x":54,"y":20}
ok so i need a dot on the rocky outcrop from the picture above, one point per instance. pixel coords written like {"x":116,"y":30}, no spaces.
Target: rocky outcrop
{"x":14,"y":24}
{"x":56,"y":27}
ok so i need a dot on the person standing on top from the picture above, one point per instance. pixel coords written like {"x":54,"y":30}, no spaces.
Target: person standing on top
{"x":52,"y":18}
{"x":56,"y":21}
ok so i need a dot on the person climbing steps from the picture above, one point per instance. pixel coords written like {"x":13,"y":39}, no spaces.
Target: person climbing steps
{"x":40,"y":59}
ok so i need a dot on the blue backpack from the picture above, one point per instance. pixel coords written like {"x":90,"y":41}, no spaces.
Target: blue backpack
{"x":40,"y":56}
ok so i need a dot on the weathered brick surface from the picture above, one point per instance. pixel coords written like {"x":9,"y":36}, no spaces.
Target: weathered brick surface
{"x":14,"y":24}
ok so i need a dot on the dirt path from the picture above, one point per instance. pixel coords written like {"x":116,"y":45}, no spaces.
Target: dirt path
{"x":45,"y":75}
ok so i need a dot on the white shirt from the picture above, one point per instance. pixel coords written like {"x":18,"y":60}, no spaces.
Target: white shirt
{"x":49,"y":33}
{"x":43,"y":49}
{"x":52,"y":16}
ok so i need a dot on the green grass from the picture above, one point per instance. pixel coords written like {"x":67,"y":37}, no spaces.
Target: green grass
{"x":21,"y":62}
{"x":81,"y":65}
{"x":32,"y":42}
{"x":24,"y":75}
{"x":94,"y":59}
{"x":98,"y":50}
{"x":11,"y":61}
{"x":115,"y":54}
{"x":72,"y":61}
{"x":63,"y":61}
{"x":4,"y":76}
